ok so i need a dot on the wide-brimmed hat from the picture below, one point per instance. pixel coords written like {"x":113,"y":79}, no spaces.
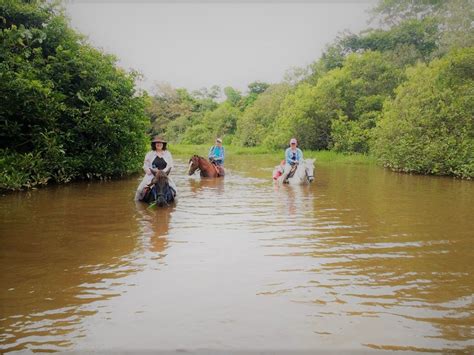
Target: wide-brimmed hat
{"x":218,"y":140}
{"x":158,"y":139}
{"x":293,"y":141}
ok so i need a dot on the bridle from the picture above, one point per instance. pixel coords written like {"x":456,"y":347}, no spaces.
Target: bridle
{"x":308,"y":177}
{"x":158,"y":191}
{"x":193,"y":164}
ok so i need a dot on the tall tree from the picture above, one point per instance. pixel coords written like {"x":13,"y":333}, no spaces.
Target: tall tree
{"x":428,"y":127}
{"x":66,"y":110}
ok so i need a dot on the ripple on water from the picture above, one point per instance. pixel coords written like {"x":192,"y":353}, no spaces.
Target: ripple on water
{"x":332,"y":265}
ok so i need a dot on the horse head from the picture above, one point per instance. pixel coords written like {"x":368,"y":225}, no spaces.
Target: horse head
{"x":161,"y":184}
{"x":309,"y":169}
{"x":193,"y":164}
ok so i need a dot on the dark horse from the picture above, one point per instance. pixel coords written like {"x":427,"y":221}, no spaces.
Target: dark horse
{"x":207,"y":169}
{"x":158,"y":191}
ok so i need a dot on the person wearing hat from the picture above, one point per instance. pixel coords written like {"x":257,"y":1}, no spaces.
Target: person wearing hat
{"x":293,"y":156}
{"x":216,"y":153}
{"x":158,"y":158}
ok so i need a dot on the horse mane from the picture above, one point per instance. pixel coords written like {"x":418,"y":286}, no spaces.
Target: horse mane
{"x":195,"y":156}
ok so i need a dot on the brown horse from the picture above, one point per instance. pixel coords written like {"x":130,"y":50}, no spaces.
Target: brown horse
{"x":207,"y":169}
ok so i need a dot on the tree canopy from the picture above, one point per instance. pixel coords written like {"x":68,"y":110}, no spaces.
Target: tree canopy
{"x":66,"y":110}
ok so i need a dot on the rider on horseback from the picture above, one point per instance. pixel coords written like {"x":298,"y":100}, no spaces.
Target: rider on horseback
{"x":158,"y":159}
{"x":293,"y":156}
{"x":216,"y":153}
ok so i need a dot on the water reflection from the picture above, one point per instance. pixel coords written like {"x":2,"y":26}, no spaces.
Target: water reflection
{"x":361,"y":259}
{"x":62,"y":249}
{"x":199,"y":185}
{"x":383,"y":248}
{"x":154,"y":226}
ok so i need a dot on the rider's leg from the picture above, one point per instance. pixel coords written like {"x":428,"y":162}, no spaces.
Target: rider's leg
{"x":286,"y":171}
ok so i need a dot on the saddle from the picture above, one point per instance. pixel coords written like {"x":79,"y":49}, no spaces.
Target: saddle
{"x":219,"y":169}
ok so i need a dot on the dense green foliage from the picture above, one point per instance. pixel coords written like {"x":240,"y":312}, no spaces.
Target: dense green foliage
{"x":429,"y":126}
{"x":402,"y":92}
{"x":196,"y":118}
{"x":66,"y":110}
{"x":397,"y":92}
{"x":341,"y":109}
{"x":256,"y":122}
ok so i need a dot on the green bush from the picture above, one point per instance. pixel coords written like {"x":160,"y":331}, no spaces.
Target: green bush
{"x":257,"y":120}
{"x":66,"y":110}
{"x":301,"y":115}
{"x":349,"y":136}
{"x":197,"y":134}
{"x":355,"y":93}
{"x":429,"y":127}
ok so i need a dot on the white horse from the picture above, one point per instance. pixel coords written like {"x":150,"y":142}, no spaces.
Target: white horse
{"x":303,"y":174}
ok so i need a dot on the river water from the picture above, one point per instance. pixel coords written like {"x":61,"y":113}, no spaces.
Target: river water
{"x":361,"y":260}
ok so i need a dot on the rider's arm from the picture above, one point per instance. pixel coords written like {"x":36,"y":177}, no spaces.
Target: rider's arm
{"x":300,"y":155}
{"x":147,"y":163}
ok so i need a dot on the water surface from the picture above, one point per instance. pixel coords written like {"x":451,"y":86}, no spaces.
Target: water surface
{"x":363,"y":259}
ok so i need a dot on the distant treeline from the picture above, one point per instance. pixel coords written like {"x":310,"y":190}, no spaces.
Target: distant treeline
{"x":66,"y":110}
{"x":404,"y":93}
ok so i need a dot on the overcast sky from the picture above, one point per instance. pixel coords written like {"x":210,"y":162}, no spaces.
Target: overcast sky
{"x":200,"y":43}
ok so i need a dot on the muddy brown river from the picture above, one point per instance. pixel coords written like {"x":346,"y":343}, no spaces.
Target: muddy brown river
{"x":361,"y":260}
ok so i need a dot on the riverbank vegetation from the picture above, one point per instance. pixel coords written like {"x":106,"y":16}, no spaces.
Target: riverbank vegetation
{"x":401,"y":93}
{"x":66,"y":110}
{"x":275,"y":155}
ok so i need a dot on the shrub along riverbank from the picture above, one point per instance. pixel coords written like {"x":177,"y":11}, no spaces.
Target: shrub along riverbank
{"x":274,"y":155}
{"x":403,"y":94}
{"x":66,"y":110}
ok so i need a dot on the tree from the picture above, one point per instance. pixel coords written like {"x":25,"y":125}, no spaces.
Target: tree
{"x":301,"y":115}
{"x":393,"y":12}
{"x":204,"y":93}
{"x":257,"y":120}
{"x":457,"y":25}
{"x":233,"y":96}
{"x":428,"y":127}
{"x":295,"y":75}
{"x":257,"y":87}
{"x":165,"y":105}
{"x":66,"y":110}
{"x":454,"y":18}
{"x":352,"y":97}
{"x":219,"y":122}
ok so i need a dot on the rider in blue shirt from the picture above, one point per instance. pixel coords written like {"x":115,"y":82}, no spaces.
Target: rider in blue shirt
{"x":216,"y":153}
{"x":293,"y":156}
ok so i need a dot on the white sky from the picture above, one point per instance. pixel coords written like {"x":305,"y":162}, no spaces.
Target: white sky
{"x":204,"y":43}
